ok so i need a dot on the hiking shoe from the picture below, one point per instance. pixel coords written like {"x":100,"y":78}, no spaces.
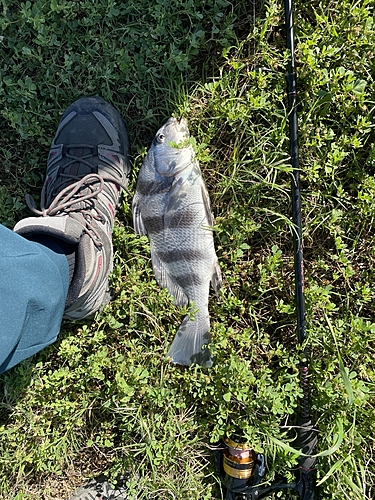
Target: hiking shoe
{"x":87,"y":168}
{"x":100,"y":489}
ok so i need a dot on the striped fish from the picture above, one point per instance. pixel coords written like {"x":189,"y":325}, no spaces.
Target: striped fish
{"x":171,"y":205}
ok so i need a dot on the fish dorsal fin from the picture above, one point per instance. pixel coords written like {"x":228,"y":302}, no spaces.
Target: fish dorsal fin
{"x":165,"y":280}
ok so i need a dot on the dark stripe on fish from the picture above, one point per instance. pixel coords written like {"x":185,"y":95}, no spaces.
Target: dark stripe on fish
{"x":184,"y":218}
{"x":154,"y":224}
{"x":186,"y":255}
{"x":147,"y":188}
{"x":186,"y":280}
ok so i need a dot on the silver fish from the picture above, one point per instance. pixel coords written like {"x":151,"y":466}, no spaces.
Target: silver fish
{"x":171,"y":205}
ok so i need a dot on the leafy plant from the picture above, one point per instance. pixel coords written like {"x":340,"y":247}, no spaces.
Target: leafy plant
{"x":103,"y":398}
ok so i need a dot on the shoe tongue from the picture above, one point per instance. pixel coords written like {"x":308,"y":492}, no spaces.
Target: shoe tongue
{"x":85,"y":163}
{"x":80,"y":160}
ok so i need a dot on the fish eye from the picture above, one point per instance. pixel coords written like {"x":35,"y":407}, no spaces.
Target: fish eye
{"x":161,"y":138}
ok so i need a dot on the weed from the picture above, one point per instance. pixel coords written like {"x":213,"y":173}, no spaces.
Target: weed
{"x":103,"y":398}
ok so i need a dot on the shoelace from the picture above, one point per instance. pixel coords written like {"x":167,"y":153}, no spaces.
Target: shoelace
{"x":69,"y":197}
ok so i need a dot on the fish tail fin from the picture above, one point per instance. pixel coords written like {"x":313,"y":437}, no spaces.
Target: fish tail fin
{"x":187,"y":346}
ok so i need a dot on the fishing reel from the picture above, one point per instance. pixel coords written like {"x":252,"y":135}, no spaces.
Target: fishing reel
{"x":241,"y":469}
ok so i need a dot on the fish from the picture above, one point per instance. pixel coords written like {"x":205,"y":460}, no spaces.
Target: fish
{"x":171,"y":206}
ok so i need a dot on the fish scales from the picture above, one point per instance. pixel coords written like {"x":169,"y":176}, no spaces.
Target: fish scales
{"x":171,"y":205}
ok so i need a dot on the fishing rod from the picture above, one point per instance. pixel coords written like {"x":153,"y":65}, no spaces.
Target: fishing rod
{"x":240,"y":468}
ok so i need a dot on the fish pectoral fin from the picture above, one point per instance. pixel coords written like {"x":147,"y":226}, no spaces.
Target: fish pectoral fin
{"x":179,"y":203}
{"x":138,"y":223}
{"x":216,"y":279}
{"x":176,"y":200}
{"x":165,"y":280}
{"x":173,"y":161}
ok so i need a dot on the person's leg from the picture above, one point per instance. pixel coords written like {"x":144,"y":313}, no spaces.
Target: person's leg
{"x":88,"y":165}
{"x":33,"y":288}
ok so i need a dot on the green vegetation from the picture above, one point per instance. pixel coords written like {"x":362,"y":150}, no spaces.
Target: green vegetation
{"x":103,"y":398}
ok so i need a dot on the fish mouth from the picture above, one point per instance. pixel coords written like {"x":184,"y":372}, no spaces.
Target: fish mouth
{"x":180,"y":120}
{"x":178,"y":127}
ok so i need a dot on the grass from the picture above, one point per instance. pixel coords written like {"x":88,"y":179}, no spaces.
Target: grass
{"x":103,"y":398}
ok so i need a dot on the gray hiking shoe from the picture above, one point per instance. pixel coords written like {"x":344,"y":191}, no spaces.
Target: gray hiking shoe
{"x":87,"y":168}
{"x":100,"y":489}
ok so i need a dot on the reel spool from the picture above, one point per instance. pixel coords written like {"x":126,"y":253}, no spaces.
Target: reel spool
{"x":238,"y":459}
{"x":239,"y":466}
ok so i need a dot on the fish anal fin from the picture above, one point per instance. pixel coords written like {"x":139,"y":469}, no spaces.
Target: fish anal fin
{"x":216,"y":279}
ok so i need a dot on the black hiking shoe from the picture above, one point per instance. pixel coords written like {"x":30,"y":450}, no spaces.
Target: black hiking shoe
{"x":100,"y":489}
{"x":87,"y":168}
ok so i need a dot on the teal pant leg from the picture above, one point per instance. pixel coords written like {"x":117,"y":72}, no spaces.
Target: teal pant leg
{"x":34,"y":284}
